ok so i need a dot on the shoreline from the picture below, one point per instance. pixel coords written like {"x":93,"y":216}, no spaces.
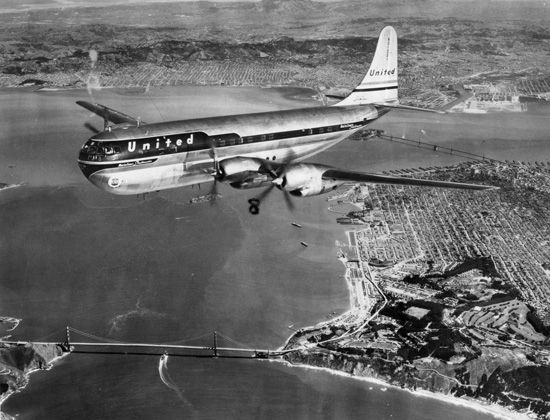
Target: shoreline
{"x":27,"y":375}
{"x":494,"y":409}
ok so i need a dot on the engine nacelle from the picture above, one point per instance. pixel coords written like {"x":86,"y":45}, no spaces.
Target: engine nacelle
{"x":253,"y":180}
{"x":323,"y":187}
{"x":236,"y":165}
{"x":304,"y":180}
{"x":299,"y":175}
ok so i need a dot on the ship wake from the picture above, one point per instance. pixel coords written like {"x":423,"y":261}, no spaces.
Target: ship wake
{"x":169,"y":382}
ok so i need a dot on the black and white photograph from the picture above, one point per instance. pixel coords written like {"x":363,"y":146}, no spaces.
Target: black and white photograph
{"x":275,"y":209}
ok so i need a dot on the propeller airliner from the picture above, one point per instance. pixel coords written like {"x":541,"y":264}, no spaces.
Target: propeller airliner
{"x":264,"y":149}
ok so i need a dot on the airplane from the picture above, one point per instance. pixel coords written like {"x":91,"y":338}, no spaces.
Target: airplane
{"x":265,"y":149}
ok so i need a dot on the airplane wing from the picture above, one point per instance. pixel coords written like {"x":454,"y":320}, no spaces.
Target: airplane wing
{"x":339,"y":175}
{"x":109,"y":114}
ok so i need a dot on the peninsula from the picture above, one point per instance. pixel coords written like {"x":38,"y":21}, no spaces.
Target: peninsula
{"x":460,"y":305}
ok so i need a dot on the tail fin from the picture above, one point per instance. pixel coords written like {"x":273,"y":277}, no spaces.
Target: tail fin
{"x":380,"y":83}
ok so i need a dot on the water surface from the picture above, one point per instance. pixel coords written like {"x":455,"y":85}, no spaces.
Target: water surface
{"x":158,"y":269}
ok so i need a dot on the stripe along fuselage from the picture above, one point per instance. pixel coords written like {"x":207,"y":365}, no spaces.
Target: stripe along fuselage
{"x":136,"y":160}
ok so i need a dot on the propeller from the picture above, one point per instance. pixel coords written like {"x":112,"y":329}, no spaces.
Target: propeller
{"x":279,"y":182}
{"x":90,"y":127}
{"x":216,"y":174}
{"x":288,"y":200}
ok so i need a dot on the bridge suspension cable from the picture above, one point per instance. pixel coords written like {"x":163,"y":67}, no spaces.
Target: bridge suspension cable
{"x":233,"y":341}
{"x":186,"y":340}
{"x":94,"y":337}
{"x":429,"y":146}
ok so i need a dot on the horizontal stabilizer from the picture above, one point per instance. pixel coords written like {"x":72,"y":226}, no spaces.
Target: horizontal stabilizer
{"x":109,"y":114}
{"x":336,"y":174}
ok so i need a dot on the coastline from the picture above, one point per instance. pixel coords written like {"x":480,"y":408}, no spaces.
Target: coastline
{"x":24,"y":375}
{"x":494,"y":409}
{"x":302,"y":355}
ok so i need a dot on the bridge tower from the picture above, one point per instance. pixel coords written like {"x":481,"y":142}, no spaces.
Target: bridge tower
{"x":215,"y":348}
{"x":67,"y":343}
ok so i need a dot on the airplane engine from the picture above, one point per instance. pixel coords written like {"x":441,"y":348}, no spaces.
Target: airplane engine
{"x":316,"y":189}
{"x":304,"y":180}
{"x":236,"y":165}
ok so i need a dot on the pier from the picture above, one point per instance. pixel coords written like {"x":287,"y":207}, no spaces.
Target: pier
{"x":107,"y":346}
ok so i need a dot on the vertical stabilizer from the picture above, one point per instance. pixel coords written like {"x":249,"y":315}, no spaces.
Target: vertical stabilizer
{"x":379,"y":85}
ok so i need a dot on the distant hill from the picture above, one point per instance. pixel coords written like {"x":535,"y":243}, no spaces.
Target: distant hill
{"x":290,"y":6}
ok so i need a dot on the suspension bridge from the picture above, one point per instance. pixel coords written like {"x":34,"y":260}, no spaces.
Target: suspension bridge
{"x":103,"y":345}
{"x":371,"y":133}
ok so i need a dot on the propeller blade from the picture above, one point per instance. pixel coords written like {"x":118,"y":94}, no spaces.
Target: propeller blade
{"x":91,"y":128}
{"x":264,"y":193}
{"x":288,"y":200}
{"x":214,"y":154}
{"x":214,"y":192}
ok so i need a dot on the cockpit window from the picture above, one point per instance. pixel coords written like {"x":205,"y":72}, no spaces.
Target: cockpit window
{"x":99,"y":151}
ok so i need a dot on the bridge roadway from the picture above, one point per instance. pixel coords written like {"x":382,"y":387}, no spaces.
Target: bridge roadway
{"x":148,"y":349}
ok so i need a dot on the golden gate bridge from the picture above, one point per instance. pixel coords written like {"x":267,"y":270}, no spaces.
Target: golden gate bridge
{"x":103,"y":345}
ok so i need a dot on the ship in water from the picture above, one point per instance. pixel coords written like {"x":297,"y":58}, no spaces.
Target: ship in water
{"x":204,"y":198}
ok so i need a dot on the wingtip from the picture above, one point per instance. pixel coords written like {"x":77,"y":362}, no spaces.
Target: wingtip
{"x":487,"y":188}
{"x":84,"y":104}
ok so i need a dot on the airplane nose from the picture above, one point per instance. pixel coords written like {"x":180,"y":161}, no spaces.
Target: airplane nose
{"x":106,"y":182}
{"x":87,"y":170}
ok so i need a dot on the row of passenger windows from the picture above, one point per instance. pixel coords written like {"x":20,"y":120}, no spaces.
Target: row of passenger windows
{"x":205,"y":142}
{"x":289,"y":134}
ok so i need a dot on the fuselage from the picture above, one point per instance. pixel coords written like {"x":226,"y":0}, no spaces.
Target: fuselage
{"x":152,"y":157}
